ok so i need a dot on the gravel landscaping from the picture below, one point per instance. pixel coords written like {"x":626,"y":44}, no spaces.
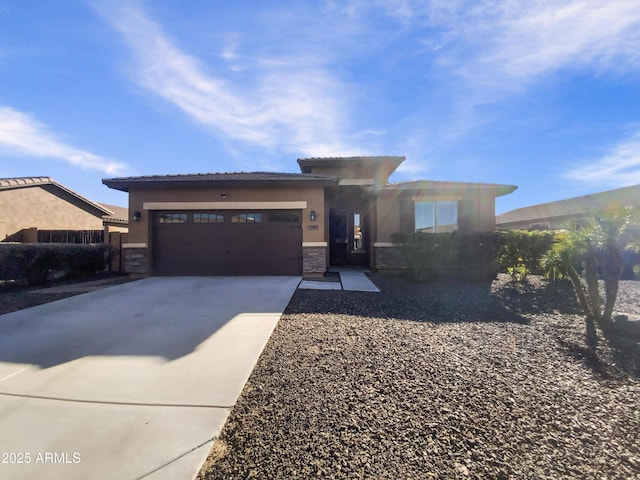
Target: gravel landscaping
{"x":438,"y":380}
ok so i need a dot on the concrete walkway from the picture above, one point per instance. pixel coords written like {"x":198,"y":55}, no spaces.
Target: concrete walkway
{"x":352,"y":279}
{"x":132,"y":381}
{"x":356,"y":281}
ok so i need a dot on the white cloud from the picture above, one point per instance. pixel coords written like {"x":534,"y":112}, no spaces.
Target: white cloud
{"x":484,"y":52}
{"x":292,"y":104}
{"x":22,"y":135}
{"x":528,"y":39}
{"x":619,"y":167}
{"x":512,"y":41}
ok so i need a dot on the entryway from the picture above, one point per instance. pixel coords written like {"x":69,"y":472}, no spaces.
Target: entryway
{"x":351,"y":278}
{"x":350,"y":227}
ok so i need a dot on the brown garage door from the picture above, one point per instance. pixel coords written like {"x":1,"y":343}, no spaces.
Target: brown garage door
{"x":227,"y":242}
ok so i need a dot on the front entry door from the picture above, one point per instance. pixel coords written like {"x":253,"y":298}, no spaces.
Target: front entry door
{"x":338,"y":237}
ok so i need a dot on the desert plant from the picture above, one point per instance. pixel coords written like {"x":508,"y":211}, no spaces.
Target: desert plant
{"x":593,"y":249}
{"x":32,"y":264}
{"x":521,"y":250}
{"x":562,"y":261}
{"x":469,"y":256}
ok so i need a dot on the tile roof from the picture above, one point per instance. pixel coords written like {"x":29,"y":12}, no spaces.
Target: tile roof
{"x":119,"y":214}
{"x":226,"y":178}
{"x":24,"y":182}
{"x":596,"y":202}
{"x":372,"y":158}
{"x":222,"y":176}
{"x":392,"y":161}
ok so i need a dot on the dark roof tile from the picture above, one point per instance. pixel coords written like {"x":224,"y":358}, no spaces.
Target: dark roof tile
{"x":225,"y":178}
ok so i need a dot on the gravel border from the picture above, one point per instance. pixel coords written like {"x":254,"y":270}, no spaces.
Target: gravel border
{"x":437,"y":381}
{"x":12,"y":300}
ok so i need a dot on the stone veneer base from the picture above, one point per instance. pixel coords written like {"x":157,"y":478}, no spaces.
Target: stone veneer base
{"x":136,"y":261}
{"x":314,"y":260}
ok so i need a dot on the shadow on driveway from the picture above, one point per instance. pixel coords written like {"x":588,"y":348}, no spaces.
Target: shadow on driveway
{"x":159,"y":317}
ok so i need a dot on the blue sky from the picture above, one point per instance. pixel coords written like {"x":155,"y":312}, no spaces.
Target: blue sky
{"x":541,"y":94}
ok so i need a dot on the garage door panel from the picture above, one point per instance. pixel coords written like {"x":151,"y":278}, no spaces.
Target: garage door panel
{"x":267,"y":248}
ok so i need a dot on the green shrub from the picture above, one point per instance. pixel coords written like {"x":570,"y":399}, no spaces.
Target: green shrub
{"x":34,"y":263}
{"x":520,"y":252}
{"x":468,"y":256}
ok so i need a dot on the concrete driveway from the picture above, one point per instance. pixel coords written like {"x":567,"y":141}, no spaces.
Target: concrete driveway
{"x":132,"y":381}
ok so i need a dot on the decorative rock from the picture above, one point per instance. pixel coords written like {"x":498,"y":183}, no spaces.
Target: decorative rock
{"x":437,"y":381}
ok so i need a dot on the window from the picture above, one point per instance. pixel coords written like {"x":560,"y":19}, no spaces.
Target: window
{"x":358,"y":232}
{"x":208,"y":218}
{"x":172,"y":218}
{"x":247,"y":218}
{"x":283,"y":216}
{"x":539,"y":226}
{"x":436,"y":217}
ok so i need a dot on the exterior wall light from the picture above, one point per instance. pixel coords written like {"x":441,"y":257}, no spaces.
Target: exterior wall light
{"x":312,"y":215}
{"x":224,"y":195}
{"x":137,"y":216}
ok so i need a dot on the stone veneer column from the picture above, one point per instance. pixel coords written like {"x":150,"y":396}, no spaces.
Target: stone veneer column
{"x":388,"y":257}
{"x":314,"y":260}
{"x":136,"y":260}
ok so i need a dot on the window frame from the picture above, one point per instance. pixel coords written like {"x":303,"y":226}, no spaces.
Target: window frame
{"x":182,"y":217}
{"x":436,"y":225}
{"x":219,"y":218}
{"x":242,"y":218}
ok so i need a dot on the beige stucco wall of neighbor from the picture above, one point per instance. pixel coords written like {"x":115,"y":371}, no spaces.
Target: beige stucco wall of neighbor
{"x":140,"y":243}
{"x":30,"y":207}
{"x":116,"y":228}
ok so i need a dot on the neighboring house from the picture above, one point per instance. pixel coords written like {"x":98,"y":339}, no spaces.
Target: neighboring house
{"x":338,"y":211}
{"x":29,"y":205}
{"x":571,"y":212}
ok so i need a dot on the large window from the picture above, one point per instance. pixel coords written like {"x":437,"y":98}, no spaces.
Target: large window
{"x":436,"y":217}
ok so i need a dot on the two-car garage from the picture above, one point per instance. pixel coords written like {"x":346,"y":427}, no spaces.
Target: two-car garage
{"x":227,"y":242}
{"x":242,"y":223}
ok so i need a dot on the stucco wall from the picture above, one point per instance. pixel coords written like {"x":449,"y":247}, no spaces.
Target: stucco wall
{"x":139,"y":232}
{"x":476,"y":212}
{"x":387,"y":218}
{"x":35,"y":206}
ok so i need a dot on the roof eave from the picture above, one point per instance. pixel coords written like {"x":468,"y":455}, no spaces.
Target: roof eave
{"x":498,"y":190}
{"x":126,"y":185}
{"x":306,"y":164}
